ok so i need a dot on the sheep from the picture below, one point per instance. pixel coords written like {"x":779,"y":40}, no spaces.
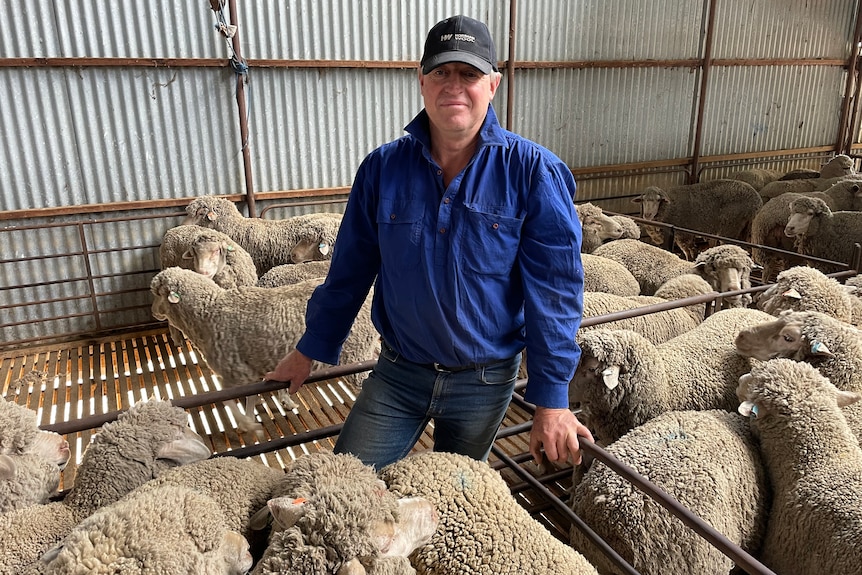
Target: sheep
{"x":145,"y":441}
{"x":240,"y":487}
{"x":814,"y":464}
{"x":30,"y":459}
{"x":657,"y":327}
{"x":243,"y":333}
{"x":287,"y":274}
{"x":802,"y":288}
{"x":333,"y":514}
{"x":592,"y":217}
{"x":164,"y":531}
{"x":608,"y":276}
{"x":709,"y":461}
{"x":838,"y":168}
{"x":208,"y":252}
{"x":821,"y":233}
{"x":483,"y":530}
{"x":623,"y":380}
{"x":720,"y":207}
{"x":829,"y":344}
{"x":853,"y":286}
{"x":270,"y":242}
{"x":756,"y":177}
{"x":767,"y":229}
{"x":725,"y":267}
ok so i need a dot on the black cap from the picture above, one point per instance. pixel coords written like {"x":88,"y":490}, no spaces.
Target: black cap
{"x":459,"y":39}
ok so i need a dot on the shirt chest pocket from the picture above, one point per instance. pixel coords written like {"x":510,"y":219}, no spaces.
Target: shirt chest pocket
{"x":399,"y":225}
{"x":490,"y":242}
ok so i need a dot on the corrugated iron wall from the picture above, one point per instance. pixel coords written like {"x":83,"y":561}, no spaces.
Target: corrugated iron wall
{"x":126,"y":105}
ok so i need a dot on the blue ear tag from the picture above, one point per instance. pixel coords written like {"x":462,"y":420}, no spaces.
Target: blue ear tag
{"x":229,"y":248}
{"x":754,"y":411}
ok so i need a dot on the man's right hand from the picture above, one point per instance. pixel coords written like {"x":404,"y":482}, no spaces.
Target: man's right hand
{"x":294,"y":367}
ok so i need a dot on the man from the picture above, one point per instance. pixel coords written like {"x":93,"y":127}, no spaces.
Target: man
{"x":470,"y":236}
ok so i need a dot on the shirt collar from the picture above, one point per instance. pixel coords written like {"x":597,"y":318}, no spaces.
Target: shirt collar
{"x":490,"y":134}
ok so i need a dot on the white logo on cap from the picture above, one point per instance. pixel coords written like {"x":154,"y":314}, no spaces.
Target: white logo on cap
{"x":459,"y":37}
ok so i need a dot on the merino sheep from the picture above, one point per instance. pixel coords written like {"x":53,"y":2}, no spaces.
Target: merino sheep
{"x":208,"y":252}
{"x":608,"y":276}
{"x":814,"y":464}
{"x":482,"y":530}
{"x":243,"y":333}
{"x":592,"y":217}
{"x":657,"y":327}
{"x":837,"y":169}
{"x":333,"y":514}
{"x":725,"y":267}
{"x":829,"y":344}
{"x":822,"y":233}
{"x":270,"y":242}
{"x":240,"y":487}
{"x":803,"y":288}
{"x":145,"y":441}
{"x":30,"y":459}
{"x":756,"y":177}
{"x":165,"y":531}
{"x":287,"y":274}
{"x":707,"y":460}
{"x":724,"y":208}
{"x":623,"y":380}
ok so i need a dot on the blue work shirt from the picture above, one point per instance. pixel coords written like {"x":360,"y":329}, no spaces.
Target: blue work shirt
{"x":465,"y":273}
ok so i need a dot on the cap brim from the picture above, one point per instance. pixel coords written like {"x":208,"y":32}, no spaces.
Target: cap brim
{"x":457,"y":56}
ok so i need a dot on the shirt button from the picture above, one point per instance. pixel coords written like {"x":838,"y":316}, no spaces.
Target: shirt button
{"x":391,"y":216}
{"x":446,"y":200}
{"x":442,"y":230}
{"x":495,"y":226}
{"x":439,"y":172}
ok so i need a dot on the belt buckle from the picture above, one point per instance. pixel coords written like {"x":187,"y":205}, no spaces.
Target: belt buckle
{"x":438,"y":367}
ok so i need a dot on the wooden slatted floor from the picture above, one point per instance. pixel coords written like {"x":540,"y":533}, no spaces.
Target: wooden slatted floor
{"x":67,"y":382}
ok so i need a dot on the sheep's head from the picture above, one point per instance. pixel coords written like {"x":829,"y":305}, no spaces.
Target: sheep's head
{"x":782,"y":387}
{"x":311,"y":250}
{"x":727,"y":268}
{"x":592,"y":217}
{"x":206,"y":210}
{"x":785,"y":337}
{"x":651,"y":200}
{"x":802,"y":288}
{"x":803,"y":212}
{"x":207,"y":256}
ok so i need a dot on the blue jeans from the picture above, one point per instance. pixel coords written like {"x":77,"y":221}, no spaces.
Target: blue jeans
{"x":399,"y":398}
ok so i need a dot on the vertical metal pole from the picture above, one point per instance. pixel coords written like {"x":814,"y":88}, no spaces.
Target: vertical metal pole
{"x":701,"y":104}
{"x":243,"y":113}
{"x":510,"y":69}
{"x":851,"y":92}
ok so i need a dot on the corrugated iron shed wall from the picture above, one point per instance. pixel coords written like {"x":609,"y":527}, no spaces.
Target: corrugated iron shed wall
{"x":138,"y":105}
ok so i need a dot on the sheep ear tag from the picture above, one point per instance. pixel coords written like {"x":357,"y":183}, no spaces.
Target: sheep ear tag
{"x":747,"y":408}
{"x":323,"y":247}
{"x":212,"y":216}
{"x":792,"y":293}
{"x":819,"y":348}
{"x":174,"y":297}
{"x":611,"y":376}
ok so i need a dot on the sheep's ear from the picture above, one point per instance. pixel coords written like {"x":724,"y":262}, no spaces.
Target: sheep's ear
{"x":51,"y":554}
{"x":819,"y":348}
{"x":260,"y":519}
{"x":286,"y":511}
{"x":174,"y":297}
{"x":186,"y":450}
{"x":212,"y":216}
{"x":637,"y":200}
{"x":7,"y":467}
{"x":756,"y":266}
{"x":189,"y":254}
{"x":846,"y":398}
{"x":611,"y":376}
{"x":747,"y":408}
{"x":352,"y":567}
{"x":700,"y":264}
{"x":792,"y":293}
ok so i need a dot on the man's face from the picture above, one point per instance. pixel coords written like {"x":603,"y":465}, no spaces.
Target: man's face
{"x":457,"y":96}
